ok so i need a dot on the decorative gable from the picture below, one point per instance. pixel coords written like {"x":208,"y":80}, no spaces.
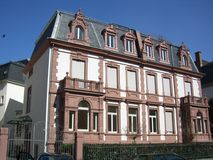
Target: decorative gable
{"x":184,"y":57}
{"x":78,"y":29}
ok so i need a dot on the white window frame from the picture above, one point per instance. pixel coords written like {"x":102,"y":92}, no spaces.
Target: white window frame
{"x":164,"y":55}
{"x":148,"y":51}
{"x":153,"y":118}
{"x":95,"y":122}
{"x":169,"y":132}
{"x":84,"y":109}
{"x":164,"y":87}
{"x":72,"y":114}
{"x":111,"y":114}
{"x":132,"y":116}
{"x":129,"y":45}
{"x":79,"y":29}
{"x":110,"y":40}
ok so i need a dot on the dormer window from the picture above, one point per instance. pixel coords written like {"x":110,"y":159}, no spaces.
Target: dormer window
{"x":110,"y":37}
{"x":163,"y":52}
{"x":184,"y":57}
{"x":78,"y":30}
{"x":163,"y":55}
{"x":129,"y":45}
{"x":129,"y":42}
{"x":79,"y":33}
{"x":110,"y":41}
{"x":148,"y":51}
{"x":184,"y":61}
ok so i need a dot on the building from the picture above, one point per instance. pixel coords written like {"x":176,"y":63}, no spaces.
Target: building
{"x":11,"y":91}
{"x":92,"y":82}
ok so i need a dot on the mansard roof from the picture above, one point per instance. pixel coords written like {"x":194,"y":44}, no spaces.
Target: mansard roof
{"x":58,"y":28}
{"x":12,"y":71}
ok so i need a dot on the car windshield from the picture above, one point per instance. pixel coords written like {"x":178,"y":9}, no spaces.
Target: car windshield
{"x":55,"y":157}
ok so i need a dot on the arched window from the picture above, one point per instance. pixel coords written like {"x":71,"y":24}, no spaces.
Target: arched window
{"x":199,"y":123}
{"x":184,"y":61}
{"x":83,"y":115}
{"x":79,"y":33}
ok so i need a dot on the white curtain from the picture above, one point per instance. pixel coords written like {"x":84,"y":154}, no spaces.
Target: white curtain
{"x":131,"y":75}
{"x":151,"y":84}
{"x":166,"y":87}
{"x":78,"y":69}
{"x":169,"y":122}
{"x":112,"y":77}
{"x":188,"y":90}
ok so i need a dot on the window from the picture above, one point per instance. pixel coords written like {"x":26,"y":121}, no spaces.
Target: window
{"x":29,"y":96}
{"x":169,"y":122}
{"x":206,"y":126}
{"x":110,"y":41}
{"x":1,"y":100}
{"x":166,"y":87}
{"x":151,"y":84}
{"x":149,"y":51}
{"x":163,"y":55}
{"x":112,"y":81}
{"x":83,"y":116}
{"x":199,"y":123}
{"x":129,"y":45}
{"x":184,"y":61}
{"x":112,"y":119}
{"x":195,"y":126}
{"x":131,"y":81}
{"x":188,"y":90}
{"x":78,"y":69}
{"x":79,"y":33}
{"x":71,"y":120}
{"x":95,"y":122}
{"x":132,"y":120}
{"x":153,"y":121}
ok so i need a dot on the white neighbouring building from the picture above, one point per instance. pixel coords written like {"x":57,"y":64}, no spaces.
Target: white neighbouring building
{"x":93,"y":82}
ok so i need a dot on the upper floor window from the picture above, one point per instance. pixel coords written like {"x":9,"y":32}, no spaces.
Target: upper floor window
{"x":112,"y":119}
{"x":110,"y":41}
{"x":110,"y":37}
{"x":148,"y":48}
{"x":78,"y":69}
{"x":79,"y":33}
{"x":29,"y":96}
{"x":151,"y":84}
{"x":112,"y":80}
{"x":129,"y":45}
{"x":83,"y":116}
{"x":133,"y":120}
{"x":163,"y":52}
{"x":169,"y":122}
{"x":153,"y":121}
{"x":131,"y":80}
{"x":188,"y":88}
{"x":167,"y":87}
{"x":184,"y":61}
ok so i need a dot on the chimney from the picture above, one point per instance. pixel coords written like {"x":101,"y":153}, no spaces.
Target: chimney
{"x":198,"y":61}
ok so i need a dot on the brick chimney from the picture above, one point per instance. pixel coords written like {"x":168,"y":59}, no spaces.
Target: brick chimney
{"x":198,"y":61}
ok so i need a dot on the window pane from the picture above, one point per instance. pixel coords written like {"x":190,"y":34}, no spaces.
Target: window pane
{"x":166,"y":87}
{"x":112,"y":77}
{"x":151,"y":84}
{"x":148,"y":51}
{"x":150,"y":124}
{"x":131,"y":75}
{"x":112,"y":41}
{"x":199,"y":124}
{"x":71,"y":120}
{"x":130,"y":123}
{"x":82,"y":119}
{"x":154,"y":124}
{"x":188,"y":90}
{"x":109,"y":123}
{"x":78,"y":69}
{"x":169,"y":122}
{"x":114,"y":123}
{"x":134,"y":124}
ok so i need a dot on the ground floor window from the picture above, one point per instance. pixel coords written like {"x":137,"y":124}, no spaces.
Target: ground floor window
{"x":133,"y":120}
{"x":169,"y":122}
{"x":112,"y":119}
{"x":83,"y":116}
{"x":71,"y":120}
{"x":153,"y":121}
{"x":95,"y":122}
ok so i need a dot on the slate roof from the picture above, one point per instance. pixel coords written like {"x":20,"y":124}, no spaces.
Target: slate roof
{"x":59,"y":25}
{"x":12,"y":71}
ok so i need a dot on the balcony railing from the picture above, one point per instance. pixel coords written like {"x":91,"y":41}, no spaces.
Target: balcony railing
{"x":79,"y":84}
{"x":192,"y":100}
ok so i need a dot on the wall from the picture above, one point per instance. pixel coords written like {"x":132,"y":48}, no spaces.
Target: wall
{"x":208,"y":91}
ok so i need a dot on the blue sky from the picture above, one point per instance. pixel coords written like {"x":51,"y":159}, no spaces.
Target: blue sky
{"x":188,"y":21}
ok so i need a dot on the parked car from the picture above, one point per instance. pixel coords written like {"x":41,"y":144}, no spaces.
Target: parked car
{"x":44,"y":156}
{"x":160,"y":156}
